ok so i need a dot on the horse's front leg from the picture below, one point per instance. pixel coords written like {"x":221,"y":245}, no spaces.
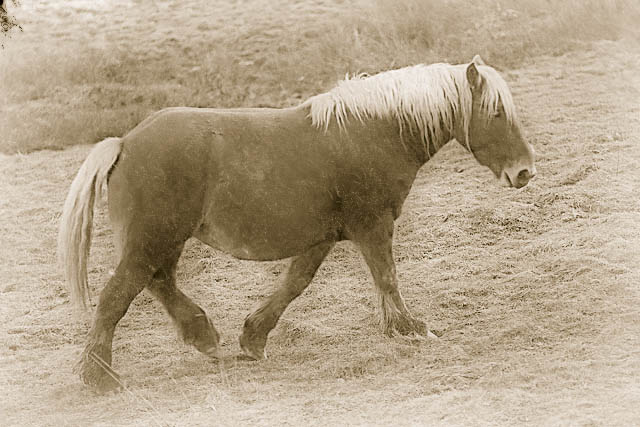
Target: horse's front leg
{"x":259,"y":323}
{"x":375,"y":243}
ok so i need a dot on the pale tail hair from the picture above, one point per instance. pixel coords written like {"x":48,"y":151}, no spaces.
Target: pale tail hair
{"x":422,"y":98}
{"x":74,"y":234}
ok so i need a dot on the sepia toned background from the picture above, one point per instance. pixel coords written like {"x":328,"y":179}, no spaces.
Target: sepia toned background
{"x":536,"y":292}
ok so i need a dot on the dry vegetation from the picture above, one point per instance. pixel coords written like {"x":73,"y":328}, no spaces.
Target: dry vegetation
{"x":535,"y":291}
{"x":84,"y":70}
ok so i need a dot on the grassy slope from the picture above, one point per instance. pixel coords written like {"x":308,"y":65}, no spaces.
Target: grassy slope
{"x":535,"y":291}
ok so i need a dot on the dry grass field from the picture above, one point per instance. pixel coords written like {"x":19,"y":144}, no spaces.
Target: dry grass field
{"x":535,"y":292}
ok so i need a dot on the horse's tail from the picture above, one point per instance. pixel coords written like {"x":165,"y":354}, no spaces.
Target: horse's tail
{"x":74,"y":235}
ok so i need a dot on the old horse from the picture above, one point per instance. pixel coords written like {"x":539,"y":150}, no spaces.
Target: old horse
{"x":266,"y":184}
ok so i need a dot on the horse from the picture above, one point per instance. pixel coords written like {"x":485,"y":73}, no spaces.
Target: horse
{"x":267,"y":183}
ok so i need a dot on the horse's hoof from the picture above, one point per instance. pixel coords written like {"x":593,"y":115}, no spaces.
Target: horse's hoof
{"x":252,"y":350}
{"x":212,"y":352}
{"x":407,"y":326}
{"x":201,"y":334}
{"x":102,"y":384}
{"x":98,"y":375}
{"x":254,"y":354}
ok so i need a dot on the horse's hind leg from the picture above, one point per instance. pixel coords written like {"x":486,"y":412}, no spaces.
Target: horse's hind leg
{"x":194,"y":326}
{"x":258,"y":324}
{"x":375,"y":244}
{"x":133,"y":273}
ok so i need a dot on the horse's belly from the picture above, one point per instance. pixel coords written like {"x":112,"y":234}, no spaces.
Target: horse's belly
{"x":266,"y":229}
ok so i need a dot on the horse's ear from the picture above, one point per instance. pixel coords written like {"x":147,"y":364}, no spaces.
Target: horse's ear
{"x":473,"y":76}
{"x":478,"y":61}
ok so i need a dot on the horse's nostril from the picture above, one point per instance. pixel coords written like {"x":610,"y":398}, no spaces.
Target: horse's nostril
{"x":523,"y":178}
{"x":524,"y":175}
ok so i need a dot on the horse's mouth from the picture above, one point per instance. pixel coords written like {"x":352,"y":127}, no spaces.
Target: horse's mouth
{"x":519,"y":181}
{"x":506,"y":180}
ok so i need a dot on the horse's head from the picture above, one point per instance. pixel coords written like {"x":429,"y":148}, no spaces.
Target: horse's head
{"x":494,"y":135}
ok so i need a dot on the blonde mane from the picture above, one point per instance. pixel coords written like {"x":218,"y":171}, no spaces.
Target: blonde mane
{"x":422,"y":98}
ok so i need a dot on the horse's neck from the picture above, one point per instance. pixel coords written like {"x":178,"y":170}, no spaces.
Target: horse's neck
{"x":424,"y":150}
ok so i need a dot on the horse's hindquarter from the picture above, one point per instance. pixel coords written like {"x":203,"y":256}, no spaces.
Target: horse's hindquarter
{"x":158,"y":184}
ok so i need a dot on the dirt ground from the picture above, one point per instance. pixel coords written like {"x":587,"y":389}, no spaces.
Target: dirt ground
{"x":536,"y":292}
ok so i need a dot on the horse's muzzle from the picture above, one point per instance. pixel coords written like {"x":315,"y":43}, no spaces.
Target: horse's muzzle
{"x":519,"y":179}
